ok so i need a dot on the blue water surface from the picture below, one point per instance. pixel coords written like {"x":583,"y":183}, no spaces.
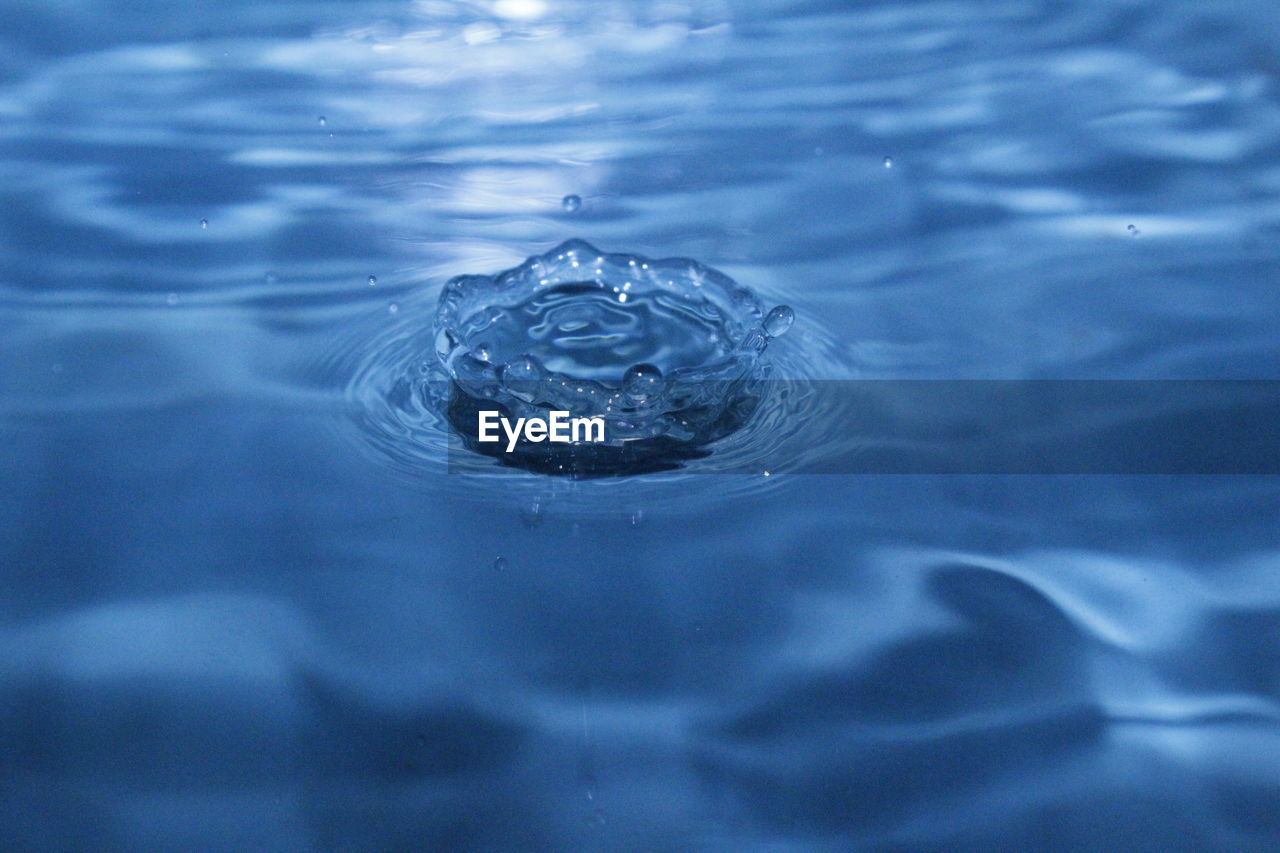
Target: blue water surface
{"x":246,"y":604}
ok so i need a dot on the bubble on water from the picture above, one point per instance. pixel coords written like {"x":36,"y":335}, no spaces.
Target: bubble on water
{"x":1133,"y":229}
{"x":204,"y":223}
{"x":501,"y":564}
{"x":641,"y":381}
{"x":571,"y":203}
{"x":777,"y":321}
{"x":393,"y":308}
{"x":171,"y":299}
{"x":323,"y":121}
{"x":888,"y":162}
{"x":373,"y":279}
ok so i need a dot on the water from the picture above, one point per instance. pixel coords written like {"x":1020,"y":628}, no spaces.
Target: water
{"x":251,"y":600}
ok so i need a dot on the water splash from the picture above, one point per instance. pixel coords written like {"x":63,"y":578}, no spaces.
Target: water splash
{"x":395,"y":395}
{"x":664,"y":350}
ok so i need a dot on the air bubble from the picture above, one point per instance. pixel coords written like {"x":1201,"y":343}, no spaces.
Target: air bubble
{"x":571,"y":203}
{"x":393,"y":308}
{"x":373,"y":279}
{"x":888,"y":162}
{"x":501,"y":564}
{"x":777,"y":321}
{"x":1133,"y":229}
{"x":204,"y":223}
{"x":323,"y":121}
{"x":171,"y":299}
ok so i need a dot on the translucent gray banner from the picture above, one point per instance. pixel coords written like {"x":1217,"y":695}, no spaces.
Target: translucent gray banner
{"x":968,"y":427}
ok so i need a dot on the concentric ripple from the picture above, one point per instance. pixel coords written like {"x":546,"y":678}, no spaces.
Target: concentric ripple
{"x":398,"y":385}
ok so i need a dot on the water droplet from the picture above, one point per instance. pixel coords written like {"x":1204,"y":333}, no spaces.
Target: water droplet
{"x":373,"y":279}
{"x":393,"y":308}
{"x":482,"y":351}
{"x":501,"y":564}
{"x":777,"y":321}
{"x":754,"y":340}
{"x":532,"y":515}
{"x":323,"y":121}
{"x":171,"y":299}
{"x":641,"y":381}
{"x":204,"y":223}
{"x":1133,"y":229}
{"x":888,"y":162}
{"x":571,"y":203}
{"x":524,"y":368}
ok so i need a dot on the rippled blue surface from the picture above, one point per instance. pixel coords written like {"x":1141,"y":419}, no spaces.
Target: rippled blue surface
{"x":243,"y":606}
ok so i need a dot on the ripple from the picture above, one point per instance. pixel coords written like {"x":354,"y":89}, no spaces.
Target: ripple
{"x":394,"y":391}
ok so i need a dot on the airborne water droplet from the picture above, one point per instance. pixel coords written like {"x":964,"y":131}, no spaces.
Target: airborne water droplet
{"x":888,"y":162}
{"x":777,"y":321}
{"x":571,"y":203}
{"x":323,"y":121}
{"x":531,"y":516}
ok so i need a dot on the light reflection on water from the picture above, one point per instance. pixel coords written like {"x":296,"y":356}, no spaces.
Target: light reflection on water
{"x":239,"y":606}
